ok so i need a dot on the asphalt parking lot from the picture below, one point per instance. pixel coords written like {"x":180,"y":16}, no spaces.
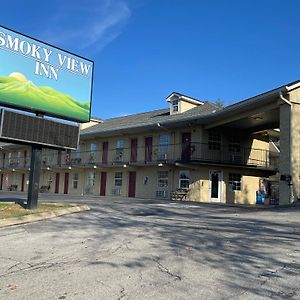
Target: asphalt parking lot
{"x":146,"y":249}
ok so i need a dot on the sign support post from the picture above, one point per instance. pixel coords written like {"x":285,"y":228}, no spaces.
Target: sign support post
{"x":34,"y":177}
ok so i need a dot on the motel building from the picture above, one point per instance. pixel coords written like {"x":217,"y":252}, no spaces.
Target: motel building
{"x":244,"y":153}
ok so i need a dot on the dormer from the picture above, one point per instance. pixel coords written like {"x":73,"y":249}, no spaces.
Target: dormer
{"x":180,"y":103}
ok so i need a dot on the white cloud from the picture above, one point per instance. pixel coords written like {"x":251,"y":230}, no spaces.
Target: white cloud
{"x":89,"y":25}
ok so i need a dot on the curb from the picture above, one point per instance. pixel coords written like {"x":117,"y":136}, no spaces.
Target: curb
{"x":43,"y":216}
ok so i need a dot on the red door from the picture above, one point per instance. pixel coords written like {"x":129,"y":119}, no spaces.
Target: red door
{"x":132,"y":183}
{"x":105,"y":153}
{"x":25,"y":158}
{"x":186,"y":146}
{"x":66,"y":183}
{"x":56,"y":183}
{"x":148,"y":149}
{"x":103,"y":184}
{"x":23,"y":182}
{"x":1,"y":183}
{"x":133,"y":154}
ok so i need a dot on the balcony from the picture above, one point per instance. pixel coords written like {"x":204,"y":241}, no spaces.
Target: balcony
{"x":191,"y":153}
{"x":250,"y":157}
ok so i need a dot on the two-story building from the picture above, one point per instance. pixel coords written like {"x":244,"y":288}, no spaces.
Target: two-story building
{"x":192,"y":148}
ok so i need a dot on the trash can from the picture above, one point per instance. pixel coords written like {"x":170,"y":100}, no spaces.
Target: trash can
{"x":260,"y":198}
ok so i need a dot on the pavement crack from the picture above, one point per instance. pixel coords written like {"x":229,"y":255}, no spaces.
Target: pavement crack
{"x":34,"y":267}
{"x":122,"y":293}
{"x":165,"y":270}
{"x":268,"y":275}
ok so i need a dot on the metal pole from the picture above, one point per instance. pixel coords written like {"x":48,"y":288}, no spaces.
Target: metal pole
{"x":34,"y":177}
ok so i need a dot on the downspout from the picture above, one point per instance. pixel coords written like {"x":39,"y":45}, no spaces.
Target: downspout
{"x":284,"y":99}
{"x":290,"y":183}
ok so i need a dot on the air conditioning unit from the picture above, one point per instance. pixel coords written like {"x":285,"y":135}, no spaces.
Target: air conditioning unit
{"x":116,"y":191}
{"x":162,"y":194}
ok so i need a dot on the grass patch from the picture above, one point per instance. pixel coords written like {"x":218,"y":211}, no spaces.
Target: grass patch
{"x":13,"y":210}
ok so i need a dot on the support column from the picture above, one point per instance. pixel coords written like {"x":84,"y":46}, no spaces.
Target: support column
{"x":289,"y":191}
{"x":285,"y":153}
{"x":295,"y":143}
{"x":34,"y":177}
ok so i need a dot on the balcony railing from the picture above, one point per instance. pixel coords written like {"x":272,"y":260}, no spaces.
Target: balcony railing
{"x":188,"y":153}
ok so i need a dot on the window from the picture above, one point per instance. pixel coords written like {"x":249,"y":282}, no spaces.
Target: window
{"x":119,"y":149}
{"x":175,"y":105}
{"x":214,"y":141}
{"x":163,"y":146}
{"x":93,"y":149}
{"x":234,"y":144}
{"x":18,"y":157}
{"x":91,"y":179}
{"x":9,"y":158}
{"x":184,"y":179}
{"x":118,"y":178}
{"x":75,"y":180}
{"x":77,"y":154}
{"x":162,"y":179}
{"x":235,"y":181}
{"x":51,"y":156}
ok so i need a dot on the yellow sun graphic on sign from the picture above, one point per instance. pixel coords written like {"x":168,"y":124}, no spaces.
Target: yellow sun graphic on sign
{"x":18,"y":76}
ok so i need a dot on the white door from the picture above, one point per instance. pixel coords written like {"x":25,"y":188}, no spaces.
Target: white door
{"x":215,"y":185}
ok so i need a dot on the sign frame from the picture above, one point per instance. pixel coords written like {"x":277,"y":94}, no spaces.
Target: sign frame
{"x":39,"y":111}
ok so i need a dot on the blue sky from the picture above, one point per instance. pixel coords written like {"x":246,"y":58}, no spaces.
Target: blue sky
{"x":146,"y":49}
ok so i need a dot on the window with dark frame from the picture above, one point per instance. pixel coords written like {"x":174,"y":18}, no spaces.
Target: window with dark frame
{"x":163,"y":146}
{"x":214,"y":141}
{"x":175,"y":105}
{"x":235,"y":181}
{"x":184,"y":179}
{"x":118,"y":178}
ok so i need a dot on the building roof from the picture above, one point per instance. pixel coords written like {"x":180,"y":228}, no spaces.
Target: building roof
{"x":141,"y":122}
{"x":202,"y":114}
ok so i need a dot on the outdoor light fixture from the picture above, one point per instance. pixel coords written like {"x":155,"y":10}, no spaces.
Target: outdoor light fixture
{"x":125,"y":166}
{"x":160,"y":164}
{"x":13,"y":170}
{"x":95,"y":167}
{"x":70,"y":168}
{"x":48,"y":168}
{"x":257,"y":118}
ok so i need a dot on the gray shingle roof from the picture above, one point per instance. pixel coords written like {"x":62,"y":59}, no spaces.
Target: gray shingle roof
{"x":147,"y":119}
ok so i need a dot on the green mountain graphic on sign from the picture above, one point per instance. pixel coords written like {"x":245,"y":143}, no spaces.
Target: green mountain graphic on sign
{"x":19,"y":92}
